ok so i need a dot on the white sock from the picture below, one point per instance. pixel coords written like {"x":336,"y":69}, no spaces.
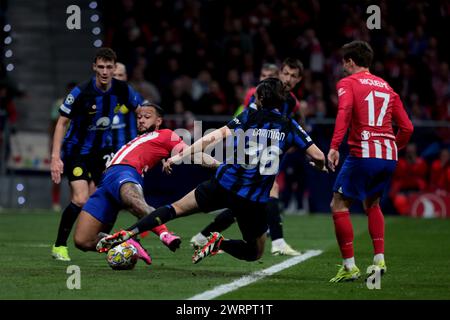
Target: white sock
{"x":349,"y":263}
{"x":161,"y":236}
{"x":378,"y":257}
{"x":278,"y":243}
{"x":200,"y":238}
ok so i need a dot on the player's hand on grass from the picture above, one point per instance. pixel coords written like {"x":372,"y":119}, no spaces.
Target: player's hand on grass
{"x":57,"y":169}
{"x":333,"y":159}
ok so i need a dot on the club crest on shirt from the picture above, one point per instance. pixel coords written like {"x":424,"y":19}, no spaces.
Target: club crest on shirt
{"x":365,"y":135}
{"x":70,"y":99}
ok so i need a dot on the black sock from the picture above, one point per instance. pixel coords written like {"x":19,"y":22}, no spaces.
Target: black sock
{"x":240,"y":249}
{"x":222,"y":222}
{"x":69,"y":216}
{"x":154,"y":219}
{"x":274,"y":218}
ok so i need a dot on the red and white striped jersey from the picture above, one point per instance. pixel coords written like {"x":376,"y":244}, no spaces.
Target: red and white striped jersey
{"x":368,"y":106}
{"x":146,"y":150}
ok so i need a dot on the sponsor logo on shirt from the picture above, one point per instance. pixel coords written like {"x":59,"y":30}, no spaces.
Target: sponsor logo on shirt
{"x":102,"y":123}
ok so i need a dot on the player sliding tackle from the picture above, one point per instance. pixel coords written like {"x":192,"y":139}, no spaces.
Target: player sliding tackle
{"x":242,"y":186}
{"x":121,"y":185}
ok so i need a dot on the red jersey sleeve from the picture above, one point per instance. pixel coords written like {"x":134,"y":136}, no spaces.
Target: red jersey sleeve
{"x":344,"y":115}
{"x":173,"y":142}
{"x":248,"y":95}
{"x":405,"y":127}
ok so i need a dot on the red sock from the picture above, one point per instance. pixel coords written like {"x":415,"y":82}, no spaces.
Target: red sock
{"x":376,"y":228}
{"x":344,"y":233}
{"x":160,"y":229}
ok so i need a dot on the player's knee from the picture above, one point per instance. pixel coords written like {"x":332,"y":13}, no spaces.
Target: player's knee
{"x":178,"y":209}
{"x":141,"y":211}
{"x":79,"y":200}
{"x":82,"y":244}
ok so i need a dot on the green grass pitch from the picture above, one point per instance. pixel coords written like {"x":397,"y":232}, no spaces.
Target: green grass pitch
{"x":417,"y":256}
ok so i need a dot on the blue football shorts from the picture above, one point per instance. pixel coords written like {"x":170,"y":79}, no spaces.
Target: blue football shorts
{"x":105,"y":203}
{"x":360,"y":178}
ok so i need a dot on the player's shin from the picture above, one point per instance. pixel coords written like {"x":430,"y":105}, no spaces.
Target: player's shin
{"x":274,"y":218}
{"x":240,"y":249}
{"x":344,"y":235}
{"x":376,"y":230}
{"x":222,"y":222}
{"x":155,"y":219}
{"x":69,"y":216}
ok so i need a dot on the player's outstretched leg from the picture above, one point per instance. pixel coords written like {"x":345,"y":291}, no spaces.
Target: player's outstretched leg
{"x":221,"y":222}
{"x":250,"y":250}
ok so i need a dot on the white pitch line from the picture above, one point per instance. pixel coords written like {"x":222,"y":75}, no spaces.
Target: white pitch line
{"x":255,"y":276}
{"x":32,"y":245}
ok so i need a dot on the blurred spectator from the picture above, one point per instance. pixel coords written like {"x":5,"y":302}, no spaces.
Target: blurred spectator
{"x":227,"y":41}
{"x":409,"y":176}
{"x":147,"y":89}
{"x":440,"y":172}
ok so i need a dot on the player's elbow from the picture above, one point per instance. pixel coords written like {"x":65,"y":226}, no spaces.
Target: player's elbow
{"x":409,"y":128}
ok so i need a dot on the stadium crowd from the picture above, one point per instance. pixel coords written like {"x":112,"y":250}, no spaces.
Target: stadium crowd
{"x":199,"y":57}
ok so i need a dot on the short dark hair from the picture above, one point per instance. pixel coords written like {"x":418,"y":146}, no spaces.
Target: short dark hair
{"x":271,"y":93}
{"x":359,"y":51}
{"x":293,"y":63}
{"x":270,"y":66}
{"x":159,"y":110}
{"x":106,"y":54}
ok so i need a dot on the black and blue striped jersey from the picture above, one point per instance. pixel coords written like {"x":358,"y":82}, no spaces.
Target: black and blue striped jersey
{"x":124,"y":126}
{"x":254,"y":151}
{"x":92,"y":112}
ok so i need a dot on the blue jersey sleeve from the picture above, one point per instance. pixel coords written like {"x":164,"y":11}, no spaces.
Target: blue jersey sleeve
{"x":65,"y":109}
{"x":299,"y":137}
{"x":252,"y":103}
{"x":134,"y":98}
{"x":238,"y":121}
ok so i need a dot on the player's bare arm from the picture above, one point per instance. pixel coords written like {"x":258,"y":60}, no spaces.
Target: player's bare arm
{"x":57,"y":166}
{"x":198,"y":146}
{"x":317,"y":158}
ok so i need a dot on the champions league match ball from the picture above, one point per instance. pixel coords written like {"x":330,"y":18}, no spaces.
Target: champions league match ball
{"x":122,"y":257}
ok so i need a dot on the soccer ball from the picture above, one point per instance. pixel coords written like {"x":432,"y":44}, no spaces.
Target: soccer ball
{"x":122,"y":257}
